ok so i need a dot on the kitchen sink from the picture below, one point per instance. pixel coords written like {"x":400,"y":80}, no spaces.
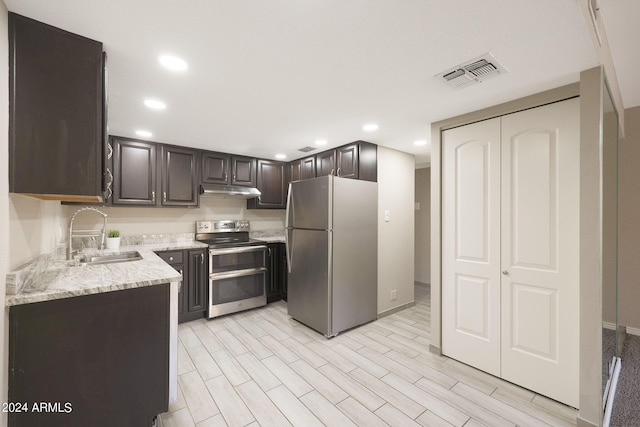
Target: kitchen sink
{"x":109,"y":258}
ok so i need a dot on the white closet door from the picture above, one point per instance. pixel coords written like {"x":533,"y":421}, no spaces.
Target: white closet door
{"x":540,"y":249}
{"x":471,"y":245}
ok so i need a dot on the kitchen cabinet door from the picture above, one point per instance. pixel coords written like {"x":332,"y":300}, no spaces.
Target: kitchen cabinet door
{"x":215,"y":168}
{"x":106,"y":354}
{"x":271,"y":183}
{"x":326,"y":163}
{"x":197,"y":281}
{"x":294,"y":171}
{"x":134,"y":172}
{"x":179,"y":176}
{"x":56,"y":137}
{"x":367,"y":161}
{"x":308,"y":167}
{"x":175,"y":260}
{"x":243,"y":171}
{"x":273,"y":278}
{"x":347,"y":161}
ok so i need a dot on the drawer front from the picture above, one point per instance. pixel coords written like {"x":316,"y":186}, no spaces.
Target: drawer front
{"x":171,"y":257}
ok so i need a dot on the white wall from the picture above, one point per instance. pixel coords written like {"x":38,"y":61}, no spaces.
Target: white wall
{"x":135,"y":221}
{"x":395,"y":238}
{"x":423,"y":225}
{"x":629,"y":232}
{"x":5,"y":248}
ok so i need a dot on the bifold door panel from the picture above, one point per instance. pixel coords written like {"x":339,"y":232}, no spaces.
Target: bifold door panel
{"x":510,"y":251}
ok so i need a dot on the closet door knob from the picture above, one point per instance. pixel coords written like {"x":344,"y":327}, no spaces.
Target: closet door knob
{"x":505,"y":272}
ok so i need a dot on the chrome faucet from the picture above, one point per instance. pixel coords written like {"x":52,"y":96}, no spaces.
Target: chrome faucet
{"x":101,"y":233}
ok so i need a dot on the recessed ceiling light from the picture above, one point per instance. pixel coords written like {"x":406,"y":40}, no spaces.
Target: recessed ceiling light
{"x":173,"y":63}
{"x":155,"y":104}
{"x":370,"y":127}
{"x":144,"y":133}
{"x":321,"y":142}
{"x":281,"y":156}
{"x":420,"y":142}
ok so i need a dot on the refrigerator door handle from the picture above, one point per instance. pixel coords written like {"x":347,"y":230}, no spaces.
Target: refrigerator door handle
{"x":288,"y":212}
{"x":286,"y":247}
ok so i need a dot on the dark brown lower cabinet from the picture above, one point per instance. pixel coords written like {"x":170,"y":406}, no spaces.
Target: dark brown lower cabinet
{"x":277,"y":277}
{"x":96,"y":360}
{"x":197,"y":282}
{"x":193,"y":295}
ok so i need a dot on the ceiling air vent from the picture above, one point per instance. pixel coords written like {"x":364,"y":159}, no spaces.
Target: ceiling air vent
{"x":474,"y":71}
{"x":306,"y":149}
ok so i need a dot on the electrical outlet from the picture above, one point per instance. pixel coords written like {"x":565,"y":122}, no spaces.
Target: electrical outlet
{"x":387,"y":216}
{"x":417,"y":206}
{"x":394,"y":294}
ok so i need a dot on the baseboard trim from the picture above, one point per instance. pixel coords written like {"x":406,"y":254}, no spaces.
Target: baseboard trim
{"x":584,"y":423}
{"x":435,"y":350}
{"x":633,"y":331}
{"x":609,"y":325}
{"x":395,"y":309}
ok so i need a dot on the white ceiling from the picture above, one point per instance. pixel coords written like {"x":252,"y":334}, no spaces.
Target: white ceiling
{"x":620,"y":19}
{"x":269,"y":77}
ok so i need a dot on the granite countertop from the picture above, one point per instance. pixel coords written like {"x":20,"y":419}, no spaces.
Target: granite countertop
{"x":54,"y":277}
{"x":269,"y":236}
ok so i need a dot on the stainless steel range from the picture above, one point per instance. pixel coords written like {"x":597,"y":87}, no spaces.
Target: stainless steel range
{"x":237,"y":266}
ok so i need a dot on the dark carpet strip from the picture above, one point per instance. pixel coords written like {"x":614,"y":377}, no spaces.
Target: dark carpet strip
{"x":626,"y":406}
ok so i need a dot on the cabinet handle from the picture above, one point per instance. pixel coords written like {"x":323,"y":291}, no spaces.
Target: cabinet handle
{"x":201,"y":258}
{"x":259,"y":199}
{"x":153,"y":196}
{"x":170,"y":258}
{"x":338,"y":171}
{"x":234,"y":177}
{"x":225,"y":176}
{"x":164,"y":197}
{"x":180,"y":271}
{"x":110,"y":148}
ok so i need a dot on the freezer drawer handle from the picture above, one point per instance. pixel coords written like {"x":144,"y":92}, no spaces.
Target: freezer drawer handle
{"x":237,"y":273}
{"x":237,"y":250}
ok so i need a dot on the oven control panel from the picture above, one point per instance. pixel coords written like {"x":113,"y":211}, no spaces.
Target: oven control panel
{"x":222,"y":226}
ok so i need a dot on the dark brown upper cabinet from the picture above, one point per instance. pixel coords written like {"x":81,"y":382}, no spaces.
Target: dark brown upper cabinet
{"x":326,"y":163}
{"x":367,"y":161}
{"x":308,"y":167}
{"x":179,"y":176}
{"x":271,"y":183}
{"x":56,"y":109}
{"x":226,"y":169}
{"x":134,"y":172}
{"x":347,"y":161}
{"x":294,"y":170}
{"x":215,"y":168}
{"x":243,"y":171}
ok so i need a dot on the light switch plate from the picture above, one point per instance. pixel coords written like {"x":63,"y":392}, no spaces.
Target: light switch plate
{"x":387,"y":216}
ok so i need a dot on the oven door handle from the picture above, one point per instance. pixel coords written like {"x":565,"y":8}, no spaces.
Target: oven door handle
{"x":237,"y":273}
{"x":239,"y":250}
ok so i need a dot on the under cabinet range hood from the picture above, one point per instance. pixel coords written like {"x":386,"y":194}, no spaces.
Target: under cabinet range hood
{"x":231,"y":191}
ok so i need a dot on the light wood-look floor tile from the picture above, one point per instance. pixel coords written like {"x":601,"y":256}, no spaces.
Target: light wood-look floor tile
{"x":359,"y":414}
{"x":232,"y":407}
{"x":325,"y":411}
{"x":199,"y":401}
{"x":262,"y":368}
{"x":263,"y":409}
{"x":292,"y":408}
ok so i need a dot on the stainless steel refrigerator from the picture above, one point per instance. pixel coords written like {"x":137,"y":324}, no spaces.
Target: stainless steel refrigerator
{"x":332,"y":252}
